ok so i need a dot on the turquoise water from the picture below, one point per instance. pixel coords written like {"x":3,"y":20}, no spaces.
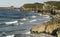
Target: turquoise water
{"x":19,"y":22}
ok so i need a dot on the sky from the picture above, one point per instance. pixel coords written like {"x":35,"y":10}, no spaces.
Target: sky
{"x":19,"y":3}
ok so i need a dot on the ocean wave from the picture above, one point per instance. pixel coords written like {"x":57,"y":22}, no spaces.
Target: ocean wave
{"x":11,"y":22}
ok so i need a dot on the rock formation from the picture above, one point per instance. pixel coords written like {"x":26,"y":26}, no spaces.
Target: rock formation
{"x":38,"y":29}
{"x":50,"y":27}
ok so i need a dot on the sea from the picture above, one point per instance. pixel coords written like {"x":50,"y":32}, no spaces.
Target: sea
{"x":14,"y":23}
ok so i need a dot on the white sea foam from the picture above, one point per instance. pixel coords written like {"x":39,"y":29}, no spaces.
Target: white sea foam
{"x":23,"y":19}
{"x":10,"y":35}
{"x":33,"y":20}
{"x":33,"y":16}
{"x":12,"y":22}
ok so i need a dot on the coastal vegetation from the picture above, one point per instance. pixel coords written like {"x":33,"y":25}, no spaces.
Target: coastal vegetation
{"x":40,"y":5}
{"x":44,"y":8}
{"x":54,"y":3}
{"x":33,"y":6}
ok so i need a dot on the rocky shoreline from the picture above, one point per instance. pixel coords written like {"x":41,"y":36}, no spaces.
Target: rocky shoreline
{"x":51,"y":27}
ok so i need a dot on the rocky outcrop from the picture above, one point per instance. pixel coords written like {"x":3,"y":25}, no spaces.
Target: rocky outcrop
{"x":50,"y":27}
{"x":45,"y":28}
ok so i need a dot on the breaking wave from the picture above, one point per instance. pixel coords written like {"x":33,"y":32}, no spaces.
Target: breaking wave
{"x":11,"y":22}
